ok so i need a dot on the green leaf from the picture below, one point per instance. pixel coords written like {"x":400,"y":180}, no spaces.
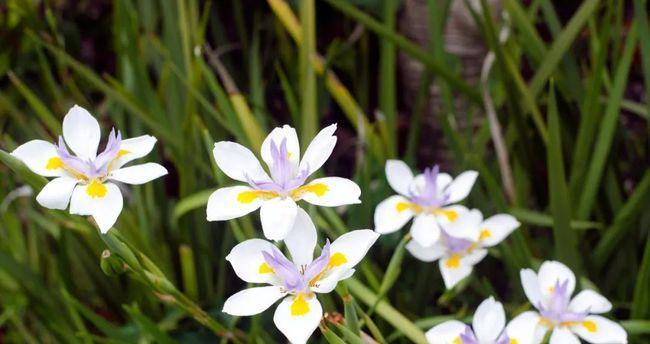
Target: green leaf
{"x":565,"y":239}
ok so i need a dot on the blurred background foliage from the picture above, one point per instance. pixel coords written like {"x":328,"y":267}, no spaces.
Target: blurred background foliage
{"x":564,"y":98}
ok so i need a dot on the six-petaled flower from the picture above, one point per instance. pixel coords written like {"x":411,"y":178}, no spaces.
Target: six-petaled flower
{"x":276,"y":195}
{"x":83,"y":178}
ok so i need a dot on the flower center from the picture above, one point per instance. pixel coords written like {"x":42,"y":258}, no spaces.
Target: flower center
{"x":89,"y":170}
{"x":285,"y":177}
{"x":556,"y":310}
{"x":429,"y":196}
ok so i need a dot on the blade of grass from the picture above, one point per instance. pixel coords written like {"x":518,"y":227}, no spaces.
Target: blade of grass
{"x":309,"y":107}
{"x":607,"y":129}
{"x":565,"y":239}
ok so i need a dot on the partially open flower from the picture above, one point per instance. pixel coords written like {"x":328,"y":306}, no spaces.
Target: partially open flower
{"x":83,"y":178}
{"x":550,"y":292}
{"x":488,"y":327}
{"x":276,"y":196}
{"x":429,"y":197}
{"x":464,"y":243}
{"x":297,"y":280}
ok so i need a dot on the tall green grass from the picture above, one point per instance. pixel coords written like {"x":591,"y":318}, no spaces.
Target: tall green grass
{"x":195,"y":72}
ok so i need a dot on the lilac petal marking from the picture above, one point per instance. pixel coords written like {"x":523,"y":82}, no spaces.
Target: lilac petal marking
{"x":430,"y":196}
{"x":111,"y":151}
{"x":468,"y":336}
{"x":319,"y":264}
{"x":557,"y":308}
{"x":283,"y":174}
{"x":284,"y":269}
{"x":456,"y":244}
{"x":70,"y":161}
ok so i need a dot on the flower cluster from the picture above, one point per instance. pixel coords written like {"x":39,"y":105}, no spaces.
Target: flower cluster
{"x":442,"y":230}
{"x":550,"y":292}
{"x":456,"y":236}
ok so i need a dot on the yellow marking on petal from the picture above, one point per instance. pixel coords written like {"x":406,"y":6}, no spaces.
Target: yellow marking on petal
{"x":265,"y":269}
{"x":96,"y":189}
{"x":590,"y":325}
{"x":122,"y":152}
{"x":551,"y":289}
{"x":337,"y":259}
{"x":457,"y":340}
{"x":54,"y":163}
{"x":513,"y":341}
{"x":451,"y":215}
{"x":299,"y":306}
{"x":401,"y":206}
{"x":485,"y":233}
{"x":319,"y":189}
{"x":246,"y":197}
{"x":453,"y":262}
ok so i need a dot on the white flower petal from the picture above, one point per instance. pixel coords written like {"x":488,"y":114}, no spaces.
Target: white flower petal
{"x":426,"y":254}
{"x":475,"y":256}
{"x":562,"y":335}
{"x":591,"y":302}
{"x":399,"y":176}
{"x":252,"y":301}
{"x":238,"y":162}
{"x":460,"y":187}
{"x":40,"y":157}
{"x":232,"y":202}
{"x":134,"y":148}
{"x":329,"y":282}
{"x":453,"y":269}
{"x":392,"y":214}
{"x":352,"y":247}
{"x":103,"y":201}
{"x":466,"y":225}
{"x":530,"y":283}
{"x":446,"y":333}
{"x":489,"y":320}
{"x":329,"y":192}
{"x":319,"y":149}
{"x":301,"y":240}
{"x":298,"y":317}
{"x":443,"y":181}
{"x":425,"y":230}
{"x":523,"y":327}
{"x":277,"y":135}
{"x":552,"y":272}
{"x":81,"y":132}
{"x":56,"y":194}
{"x":278,"y":216}
{"x":496,"y":228}
{"x":138,"y":174}
{"x":599,"y":330}
{"x":248,"y":262}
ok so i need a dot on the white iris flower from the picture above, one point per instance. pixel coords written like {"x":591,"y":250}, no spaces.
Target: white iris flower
{"x":297,"y":280}
{"x":83,"y":178}
{"x":276,"y":196}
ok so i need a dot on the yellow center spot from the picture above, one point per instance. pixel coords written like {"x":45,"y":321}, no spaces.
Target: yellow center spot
{"x":401,"y":206}
{"x":299,"y":306}
{"x":54,"y":163}
{"x":246,"y":197}
{"x":457,"y":340}
{"x":450,"y":214}
{"x":337,"y":259}
{"x":453,"y":262}
{"x":265,"y":269}
{"x":96,"y":189}
{"x":513,"y":341}
{"x":122,"y":152}
{"x":485,"y":233}
{"x":590,"y":325}
{"x":551,"y":289}
{"x":319,"y":189}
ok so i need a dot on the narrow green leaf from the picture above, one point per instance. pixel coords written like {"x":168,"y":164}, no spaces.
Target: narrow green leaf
{"x":565,"y":239}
